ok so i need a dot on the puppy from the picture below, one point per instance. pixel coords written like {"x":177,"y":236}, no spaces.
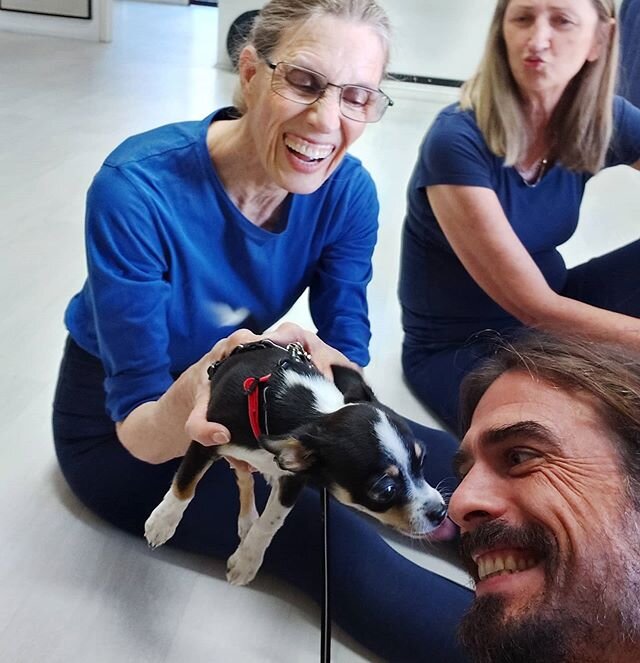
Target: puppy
{"x":296,"y":427}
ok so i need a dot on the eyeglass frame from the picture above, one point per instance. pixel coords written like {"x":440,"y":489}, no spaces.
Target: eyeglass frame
{"x":274,"y":65}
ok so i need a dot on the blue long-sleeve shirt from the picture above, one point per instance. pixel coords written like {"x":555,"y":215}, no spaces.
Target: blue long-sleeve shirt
{"x":173,"y":265}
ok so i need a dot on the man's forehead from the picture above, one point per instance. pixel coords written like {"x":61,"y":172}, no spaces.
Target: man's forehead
{"x":519,"y":405}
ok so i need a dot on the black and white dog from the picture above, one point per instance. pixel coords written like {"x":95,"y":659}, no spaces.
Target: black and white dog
{"x":295,"y":426}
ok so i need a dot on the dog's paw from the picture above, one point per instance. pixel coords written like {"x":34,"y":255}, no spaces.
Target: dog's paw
{"x":243,"y":566}
{"x":245,"y":523}
{"x":163,"y":521}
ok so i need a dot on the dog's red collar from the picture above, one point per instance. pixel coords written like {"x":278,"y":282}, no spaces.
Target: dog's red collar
{"x":256,"y":391}
{"x":256,"y":388}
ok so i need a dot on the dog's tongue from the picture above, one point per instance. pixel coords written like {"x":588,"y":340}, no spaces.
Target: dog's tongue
{"x":444,"y":532}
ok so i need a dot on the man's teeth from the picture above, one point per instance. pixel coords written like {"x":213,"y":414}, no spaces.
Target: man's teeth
{"x":490,"y":565}
{"x":308,"y":150}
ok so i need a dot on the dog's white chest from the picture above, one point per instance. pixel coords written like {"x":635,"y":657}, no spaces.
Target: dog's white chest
{"x":262,"y":460}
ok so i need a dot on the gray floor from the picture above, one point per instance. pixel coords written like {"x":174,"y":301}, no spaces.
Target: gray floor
{"x":73,"y":589}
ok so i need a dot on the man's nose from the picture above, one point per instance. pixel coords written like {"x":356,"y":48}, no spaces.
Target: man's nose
{"x":477,"y":499}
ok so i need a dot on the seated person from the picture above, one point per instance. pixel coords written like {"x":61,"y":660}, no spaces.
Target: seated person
{"x":197,"y":228}
{"x":498,"y":187}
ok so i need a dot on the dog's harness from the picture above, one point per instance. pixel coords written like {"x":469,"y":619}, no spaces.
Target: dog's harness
{"x":256,"y":388}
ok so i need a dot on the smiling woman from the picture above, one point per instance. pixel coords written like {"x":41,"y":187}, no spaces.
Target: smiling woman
{"x":497,"y":188}
{"x":196,"y":229}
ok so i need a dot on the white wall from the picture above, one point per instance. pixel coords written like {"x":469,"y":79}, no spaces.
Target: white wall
{"x":98,"y":28}
{"x":434,"y":38}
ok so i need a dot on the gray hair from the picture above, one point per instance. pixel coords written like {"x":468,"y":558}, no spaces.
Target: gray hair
{"x":277,"y":16}
{"x":607,"y":372}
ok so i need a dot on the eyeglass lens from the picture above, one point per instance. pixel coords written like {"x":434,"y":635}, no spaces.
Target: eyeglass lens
{"x":305,"y":86}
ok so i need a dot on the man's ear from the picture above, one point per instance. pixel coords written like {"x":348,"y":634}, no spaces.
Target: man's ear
{"x":352,"y":385}
{"x":290,"y":454}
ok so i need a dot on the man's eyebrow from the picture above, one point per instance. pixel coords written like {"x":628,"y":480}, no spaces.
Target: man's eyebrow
{"x":518,"y":430}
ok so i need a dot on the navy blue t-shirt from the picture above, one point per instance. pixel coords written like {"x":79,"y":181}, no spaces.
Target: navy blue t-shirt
{"x":630,"y":51}
{"x":441,"y":303}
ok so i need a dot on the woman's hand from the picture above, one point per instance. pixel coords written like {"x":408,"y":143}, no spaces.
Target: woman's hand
{"x":207,"y":432}
{"x":160,"y":430}
{"x":323,"y":355}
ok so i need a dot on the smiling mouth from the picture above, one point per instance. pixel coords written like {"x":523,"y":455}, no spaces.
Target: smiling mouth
{"x":307,"y":152}
{"x":493,"y":564}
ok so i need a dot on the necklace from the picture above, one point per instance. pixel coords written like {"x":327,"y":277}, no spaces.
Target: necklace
{"x":531,"y":178}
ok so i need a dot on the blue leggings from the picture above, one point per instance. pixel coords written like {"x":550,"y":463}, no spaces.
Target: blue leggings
{"x":397,"y":609}
{"x":609,"y":282}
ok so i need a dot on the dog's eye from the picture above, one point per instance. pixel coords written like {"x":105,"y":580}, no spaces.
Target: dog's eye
{"x":383,"y":490}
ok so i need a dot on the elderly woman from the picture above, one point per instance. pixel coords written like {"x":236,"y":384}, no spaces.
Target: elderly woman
{"x":198,"y":228}
{"x":498,"y":186}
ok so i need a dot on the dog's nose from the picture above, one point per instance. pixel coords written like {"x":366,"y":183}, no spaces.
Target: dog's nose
{"x":437,"y":514}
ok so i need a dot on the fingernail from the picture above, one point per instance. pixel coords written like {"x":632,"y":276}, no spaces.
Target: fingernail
{"x":220,"y":438}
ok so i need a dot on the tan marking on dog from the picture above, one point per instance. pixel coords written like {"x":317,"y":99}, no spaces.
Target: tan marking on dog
{"x":393,"y":471}
{"x":190,"y":489}
{"x":396,"y":517}
{"x":245,"y":488}
{"x":418,"y":449}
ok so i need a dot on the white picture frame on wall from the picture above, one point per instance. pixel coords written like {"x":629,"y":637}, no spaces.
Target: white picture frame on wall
{"x":68,"y":8}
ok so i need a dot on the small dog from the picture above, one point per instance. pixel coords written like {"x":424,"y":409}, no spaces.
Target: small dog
{"x":295,"y":426}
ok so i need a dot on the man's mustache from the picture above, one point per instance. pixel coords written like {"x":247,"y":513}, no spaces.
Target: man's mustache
{"x":494,"y":534}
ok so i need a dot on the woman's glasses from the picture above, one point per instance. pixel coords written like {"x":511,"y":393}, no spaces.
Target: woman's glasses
{"x":305,"y":86}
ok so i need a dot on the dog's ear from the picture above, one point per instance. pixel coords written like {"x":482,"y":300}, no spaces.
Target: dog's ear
{"x":290,"y":453}
{"x":352,"y":385}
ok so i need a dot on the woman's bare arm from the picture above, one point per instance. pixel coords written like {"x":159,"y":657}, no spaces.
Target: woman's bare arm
{"x":475,"y":225}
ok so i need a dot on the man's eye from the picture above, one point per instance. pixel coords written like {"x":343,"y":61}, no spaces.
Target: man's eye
{"x":518,"y":456}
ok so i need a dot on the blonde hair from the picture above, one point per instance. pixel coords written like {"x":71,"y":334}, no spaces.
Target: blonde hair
{"x":278,"y":16}
{"x":580,"y":129}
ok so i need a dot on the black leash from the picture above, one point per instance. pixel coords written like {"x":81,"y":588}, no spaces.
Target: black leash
{"x":325,"y":618}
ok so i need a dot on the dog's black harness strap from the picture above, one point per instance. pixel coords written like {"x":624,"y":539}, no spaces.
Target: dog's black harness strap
{"x":295,"y":350}
{"x":239,"y":349}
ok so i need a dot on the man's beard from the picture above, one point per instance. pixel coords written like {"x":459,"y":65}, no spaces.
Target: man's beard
{"x":581,"y":614}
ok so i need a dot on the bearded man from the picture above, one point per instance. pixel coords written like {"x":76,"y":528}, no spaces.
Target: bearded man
{"x":549,"y":503}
